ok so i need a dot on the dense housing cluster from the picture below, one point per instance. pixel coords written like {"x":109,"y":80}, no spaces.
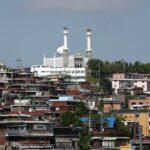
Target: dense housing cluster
{"x":52,"y":112}
{"x":74,"y":102}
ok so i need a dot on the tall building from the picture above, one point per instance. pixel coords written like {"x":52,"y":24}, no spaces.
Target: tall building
{"x":63,"y":63}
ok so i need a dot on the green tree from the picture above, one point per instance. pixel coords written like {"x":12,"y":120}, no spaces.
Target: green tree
{"x":68,"y":118}
{"x":106,"y":85}
{"x":82,"y":109}
{"x":84,"y":141}
{"x":122,"y":127}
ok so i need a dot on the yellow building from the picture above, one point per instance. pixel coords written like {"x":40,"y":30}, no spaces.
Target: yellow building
{"x":140,"y":116}
{"x":128,"y":147}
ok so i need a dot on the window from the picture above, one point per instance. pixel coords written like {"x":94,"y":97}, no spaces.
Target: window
{"x":137,"y":115}
{"x":133,"y":103}
{"x":108,"y":144}
{"x":39,"y":127}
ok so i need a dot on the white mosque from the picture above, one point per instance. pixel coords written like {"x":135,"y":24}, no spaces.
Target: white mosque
{"x":63,"y":63}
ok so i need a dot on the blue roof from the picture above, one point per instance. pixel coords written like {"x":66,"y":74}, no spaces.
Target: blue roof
{"x":109,"y":120}
{"x":63,"y":98}
{"x":84,"y":119}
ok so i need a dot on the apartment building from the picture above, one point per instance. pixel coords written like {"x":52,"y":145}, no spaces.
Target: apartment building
{"x":138,"y":116}
{"x":130,"y":82}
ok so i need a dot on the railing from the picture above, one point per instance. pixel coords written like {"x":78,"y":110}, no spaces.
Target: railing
{"x":40,"y":133}
{"x":29,"y":133}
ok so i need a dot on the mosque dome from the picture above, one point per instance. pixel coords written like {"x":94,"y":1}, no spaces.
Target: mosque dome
{"x":60,"y":50}
{"x":2,"y":64}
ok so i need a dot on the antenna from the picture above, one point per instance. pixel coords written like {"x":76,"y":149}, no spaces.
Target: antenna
{"x":19,"y":63}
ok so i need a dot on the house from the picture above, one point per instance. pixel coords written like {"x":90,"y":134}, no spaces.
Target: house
{"x":66,"y":137}
{"x":63,"y":103}
{"x":137,"y":116}
{"x":127,"y":83}
{"x":29,"y":134}
{"x":139,"y":103}
{"x":105,"y":133}
{"x":110,"y":104}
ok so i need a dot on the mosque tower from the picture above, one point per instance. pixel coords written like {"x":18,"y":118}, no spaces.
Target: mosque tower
{"x":89,"y":48}
{"x":65,"y":47}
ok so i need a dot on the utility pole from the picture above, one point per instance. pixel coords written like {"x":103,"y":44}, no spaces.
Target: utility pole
{"x":124,"y":66}
{"x":89,"y":120}
{"x":99,"y":76}
{"x":19,"y":111}
{"x":140,"y":137}
{"x":19,"y":63}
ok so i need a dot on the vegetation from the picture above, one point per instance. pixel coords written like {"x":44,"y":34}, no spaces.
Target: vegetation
{"x":68,"y":118}
{"x":122,"y":127}
{"x":73,"y":119}
{"x":101,"y":71}
{"x":82,"y":109}
{"x":84,"y":142}
{"x":106,"y":68}
{"x":100,"y":74}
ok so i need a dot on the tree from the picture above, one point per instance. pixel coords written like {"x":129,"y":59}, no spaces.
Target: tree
{"x":106,"y":85}
{"x":84,"y":141}
{"x":82,"y":109}
{"x":68,"y":118}
{"x":122,"y":127}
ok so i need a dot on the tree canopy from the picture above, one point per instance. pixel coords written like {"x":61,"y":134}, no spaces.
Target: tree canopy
{"x":101,"y":71}
{"x":107,"y":68}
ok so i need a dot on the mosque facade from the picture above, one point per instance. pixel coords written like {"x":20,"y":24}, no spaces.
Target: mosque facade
{"x":63,"y":63}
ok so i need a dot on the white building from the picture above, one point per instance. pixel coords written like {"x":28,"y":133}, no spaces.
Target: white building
{"x":121,"y":81}
{"x":65,"y":64}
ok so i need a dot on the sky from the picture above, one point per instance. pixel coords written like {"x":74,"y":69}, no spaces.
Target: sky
{"x":30,"y":28}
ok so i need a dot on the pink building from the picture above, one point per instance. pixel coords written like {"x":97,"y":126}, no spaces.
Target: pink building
{"x":127,"y":82}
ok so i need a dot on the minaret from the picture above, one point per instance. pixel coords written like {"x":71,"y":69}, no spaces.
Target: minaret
{"x":44,"y":57}
{"x":65,"y":47}
{"x":89,"y":49}
{"x":54,"y":61}
{"x":65,"y":33}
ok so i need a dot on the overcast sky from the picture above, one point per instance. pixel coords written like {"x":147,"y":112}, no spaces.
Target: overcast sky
{"x":30,"y":28}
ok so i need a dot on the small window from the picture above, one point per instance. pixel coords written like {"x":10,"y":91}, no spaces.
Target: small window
{"x":133,"y":103}
{"x":137,"y":115}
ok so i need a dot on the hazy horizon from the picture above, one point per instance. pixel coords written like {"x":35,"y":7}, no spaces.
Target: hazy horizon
{"x":30,"y":28}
